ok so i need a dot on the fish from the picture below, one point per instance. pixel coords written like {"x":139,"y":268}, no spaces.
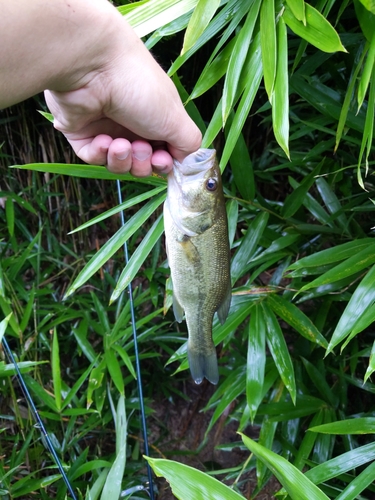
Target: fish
{"x":197,"y":243}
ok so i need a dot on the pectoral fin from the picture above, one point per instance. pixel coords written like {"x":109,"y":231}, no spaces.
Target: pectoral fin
{"x":177,"y":309}
{"x":223,"y":308}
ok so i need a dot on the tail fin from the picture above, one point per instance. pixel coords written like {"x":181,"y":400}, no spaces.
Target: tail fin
{"x":203,"y":365}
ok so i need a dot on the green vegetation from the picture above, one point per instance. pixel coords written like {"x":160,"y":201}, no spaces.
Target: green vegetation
{"x":292,"y":85}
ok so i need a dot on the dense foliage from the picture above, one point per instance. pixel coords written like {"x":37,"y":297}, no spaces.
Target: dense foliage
{"x":292,"y":87}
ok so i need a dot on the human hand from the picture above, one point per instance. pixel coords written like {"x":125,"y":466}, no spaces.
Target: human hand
{"x":127,"y":113}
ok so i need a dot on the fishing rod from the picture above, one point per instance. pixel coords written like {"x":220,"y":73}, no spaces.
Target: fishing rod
{"x":39,"y":421}
{"x":137,"y":363}
{"x":37,"y":418}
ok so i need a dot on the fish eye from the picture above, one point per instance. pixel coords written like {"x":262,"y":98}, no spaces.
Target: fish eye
{"x":211,"y":184}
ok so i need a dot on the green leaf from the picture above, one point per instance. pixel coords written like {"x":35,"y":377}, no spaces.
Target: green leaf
{"x":298,"y":9}
{"x":123,"y":206}
{"x":9,"y":212}
{"x":332,"y":255}
{"x":138,"y":257}
{"x":361,"y":300}
{"x":296,"y":199}
{"x":341,"y":464}
{"x":268,"y":44}
{"x":253,"y":77}
{"x":298,"y":486}
{"x":202,"y":15}
{"x":113,"y":366}
{"x":152,"y":15}
{"x":317,"y":31}
{"x":279,"y":350}
{"x":367,"y":71}
{"x":371,"y":365}
{"x":365,"y":17}
{"x":348,"y":267}
{"x":115,"y":242}
{"x":89,"y":172}
{"x":112,"y":487}
{"x":358,"y":484}
{"x":256,"y":360}
{"x":297,"y":319}
{"x":56,"y":374}
{"x":280,"y":96}
{"x":248,"y":245}
{"x":237,"y":59}
{"x":212,"y":72}
{"x":360,"y":425}
{"x":369,"y":5}
{"x":187,"y":482}
{"x":368,"y":131}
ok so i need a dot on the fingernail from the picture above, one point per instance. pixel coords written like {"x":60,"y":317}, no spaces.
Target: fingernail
{"x":122,"y":155}
{"x":161,"y":169}
{"x":141,"y":155}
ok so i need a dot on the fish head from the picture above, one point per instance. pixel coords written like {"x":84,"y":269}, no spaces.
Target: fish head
{"x":195,"y":192}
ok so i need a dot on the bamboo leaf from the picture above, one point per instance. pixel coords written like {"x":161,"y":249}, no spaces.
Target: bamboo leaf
{"x":367,"y":71}
{"x":298,"y":486}
{"x":115,"y":242}
{"x":202,"y":15}
{"x":89,"y":172}
{"x":360,"y":425}
{"x":348,"y":267}
{"x":280,"y":98}
{"x":148,"y":17}
{"x":254,"y":73}
{"x":279,"y":350}
{"x":113,"y":366}
{"x":296,"y":199}
{"x":317,"y":31}
{"x":298,"y":9}
{"x":138,"y":257}
{"x":361,"y":300}
{"x":371,"y":365}
{"x":112,"y":487}
{"x":237,"y":59}
{"x":296,"y":318}
{"x":358,"y":484}
{"x":268,"y":44}
{"x":256,"y":360}
{"x":123,"y":206}
{"x":248,"y":246}
{"x":187,"y":482}
{"x":56,"y":374}
{"x":368,"y":131}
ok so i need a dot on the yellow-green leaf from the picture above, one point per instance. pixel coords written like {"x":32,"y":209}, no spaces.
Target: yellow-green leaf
{"x":202,"y":15}
{"x":317,"y":31}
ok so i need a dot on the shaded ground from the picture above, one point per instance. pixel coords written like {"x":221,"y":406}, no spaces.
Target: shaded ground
{"x":177,"y":431}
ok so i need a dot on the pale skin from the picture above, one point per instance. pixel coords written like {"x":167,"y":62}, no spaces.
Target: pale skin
{"x":111,"y":100}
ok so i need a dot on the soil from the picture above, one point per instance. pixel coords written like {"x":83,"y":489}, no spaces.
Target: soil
{"x":177,"y":429}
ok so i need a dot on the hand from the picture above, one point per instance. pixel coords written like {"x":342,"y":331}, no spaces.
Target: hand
{"x":127,"y":115}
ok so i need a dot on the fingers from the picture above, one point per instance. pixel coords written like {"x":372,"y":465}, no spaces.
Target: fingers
{"x":121,"y":156}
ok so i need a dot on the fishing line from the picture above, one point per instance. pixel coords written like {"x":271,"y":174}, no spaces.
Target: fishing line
{"x":137,"y":362}
{"x":39,"y":421}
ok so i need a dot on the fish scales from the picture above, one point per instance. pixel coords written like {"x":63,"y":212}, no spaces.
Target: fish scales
{"x":196,"y":232}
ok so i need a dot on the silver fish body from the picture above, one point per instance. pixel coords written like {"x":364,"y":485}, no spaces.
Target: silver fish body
{"x":196,"y":231}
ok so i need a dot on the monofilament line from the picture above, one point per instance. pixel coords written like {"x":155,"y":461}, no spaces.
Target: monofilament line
{"x":137,"y":362}
{"x":39,"y":422}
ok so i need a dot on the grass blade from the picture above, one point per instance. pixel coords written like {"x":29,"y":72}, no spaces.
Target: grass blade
{"x":296,"y":484}
{"x":280,"y":98}
{"x":138,"y":257}
{"x":116,"y":242}
{"x":268,"y":44}
{"x":56,"y":374}
{"x":187,"y":482}
{"x":202,"y":15}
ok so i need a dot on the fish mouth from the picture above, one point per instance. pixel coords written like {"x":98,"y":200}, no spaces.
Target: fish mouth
{"x":196,"y":162}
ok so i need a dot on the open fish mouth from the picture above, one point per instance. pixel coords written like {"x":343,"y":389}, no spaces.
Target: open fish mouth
{"x":196,"y":162}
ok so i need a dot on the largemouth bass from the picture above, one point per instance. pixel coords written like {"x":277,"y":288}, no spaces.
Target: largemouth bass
{"x":196,"y":231}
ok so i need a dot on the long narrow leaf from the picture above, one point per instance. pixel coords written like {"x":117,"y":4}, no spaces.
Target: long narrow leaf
{"x":202,"y":15}
{"x":116,"y":242}
{"x":296,"y":484}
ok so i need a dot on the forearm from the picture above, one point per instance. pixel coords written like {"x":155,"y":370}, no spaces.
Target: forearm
{"x":54,"y":44}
